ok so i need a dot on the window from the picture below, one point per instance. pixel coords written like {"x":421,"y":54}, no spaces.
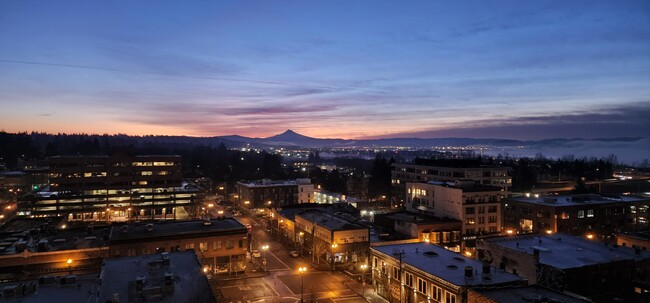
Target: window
{"x":409,"y":280}
{"x":469,"y":210}
{"x":396,"y":273}
{"x":590,"y":213}
{"x":470,"y":221}
{"x":564,"y":215}
{"x":375,"y":266}
{"x":422,"y":286}
{"x":481,"y":209}
{"x":492,"y":219}
{"x":216,"y":245}
{"x":189,"y":246}
{"x":581,"y":214}
{"x":492,"y":209}
{"x":481,"y":220}
{"x":241,"y":243}
{"x":229,"y":244}
{"x":449,"y":297}
{"x":203,"y":246}
{"x":492,"y":229}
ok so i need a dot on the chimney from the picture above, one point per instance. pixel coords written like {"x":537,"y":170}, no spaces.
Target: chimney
{"x":469,"y":272}
{"x":416,"y":250}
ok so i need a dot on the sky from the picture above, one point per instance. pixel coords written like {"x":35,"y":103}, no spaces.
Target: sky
{"x":331,"y":69}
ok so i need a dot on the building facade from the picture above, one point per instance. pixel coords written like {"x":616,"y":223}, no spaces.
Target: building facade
{"x":220,"y":244}
{"x":119,"y":187}
{"x":331,"y":238}
{"x":423,"y":272}
{"x":477,"y":207}
{"x":269,"y":193}
{"x":424,"y":170}
{"x":577,"y":214}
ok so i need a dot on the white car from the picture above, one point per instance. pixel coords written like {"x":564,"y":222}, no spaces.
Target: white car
{"x":256,"y":253}
{"x":294,"y":254}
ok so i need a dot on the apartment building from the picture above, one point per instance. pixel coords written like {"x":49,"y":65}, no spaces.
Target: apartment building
{"x":448,"y":170}
{"x":478,"y":207}
{"x":119,"y":187}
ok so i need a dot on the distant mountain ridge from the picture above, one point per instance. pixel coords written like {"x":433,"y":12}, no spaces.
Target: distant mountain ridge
{"x":290,"y":138}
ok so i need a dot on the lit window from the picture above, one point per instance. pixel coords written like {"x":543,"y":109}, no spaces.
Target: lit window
{"x":590,"y":213}
{"x":581,"y":214}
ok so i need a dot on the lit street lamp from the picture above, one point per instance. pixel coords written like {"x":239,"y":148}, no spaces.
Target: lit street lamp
{"x":265,"y":248}
{"x":333,"y":247}
{"x":302,"y":271}
{"x":363,"y":279}
{"x":69,"y":261}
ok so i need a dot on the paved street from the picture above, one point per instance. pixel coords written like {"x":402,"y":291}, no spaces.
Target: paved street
{"x":281,"y":282}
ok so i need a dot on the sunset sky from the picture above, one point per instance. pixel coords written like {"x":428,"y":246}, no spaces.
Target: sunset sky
{"x":337,"y":69}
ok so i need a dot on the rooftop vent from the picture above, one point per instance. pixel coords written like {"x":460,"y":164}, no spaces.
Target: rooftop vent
{"x":469,"y":272}
{"x":124,"y":229}
{"x":148,"y":227}
{"x":452,"y":266}
{"x":430,"y":253}
{"x":459,"y":259}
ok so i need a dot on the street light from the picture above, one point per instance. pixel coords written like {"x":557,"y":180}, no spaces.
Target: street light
{"x":69,"y":261}
{"x":333,"y":247}
{"x":302,"y":270}
{"x":363,"y":279}
{"x":265,"y":248}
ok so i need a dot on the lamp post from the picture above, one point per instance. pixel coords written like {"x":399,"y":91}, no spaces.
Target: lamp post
{"x":302,"y":271}
{"x":69,"y":261}
{"x":265,"y":248}
{"x":333,"y":247}
{"x":363,"y":279}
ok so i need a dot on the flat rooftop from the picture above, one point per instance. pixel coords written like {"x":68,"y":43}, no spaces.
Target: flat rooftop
{"x":528,"y":294}
{"x":330,"y":221}
{"x":446,"y":264}
{"x":179,"y":280}
{"x":83,"y":290}
{"x":177,"y":229}
{"x":564,"y":251}
{"x":267,"y":183}
{"x":576,"y":200}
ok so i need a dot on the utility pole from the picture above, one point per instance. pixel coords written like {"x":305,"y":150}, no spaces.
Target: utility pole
{"x":400,"y":254}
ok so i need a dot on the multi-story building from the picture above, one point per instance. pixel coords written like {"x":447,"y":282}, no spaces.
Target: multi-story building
{"x":220,"y":244}
{"x":567,"y":263}
{"x":332,"y":238}
{"x":119,"y":187}
{"x":477,"y":207}
{"x":326,"y":197}
{"x":448,"y":170}
{"x":269,"y":193}
{"x":577,"y":214}
{"x":422,"y":272}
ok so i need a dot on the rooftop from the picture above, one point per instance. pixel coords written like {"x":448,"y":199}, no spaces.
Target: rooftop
{"x":529,"y":294}
{"x":565,"y":251}
{"x":167,"y":277}
{"x":176,"y":229}
{"x":574,"y":200}
{"x":78,"y":289}
{"x":419,"y":219}
{"x":291,"y":211}
{"x":447,"y":265}
{"x":332,"y":222}
{"x":268,"y":182}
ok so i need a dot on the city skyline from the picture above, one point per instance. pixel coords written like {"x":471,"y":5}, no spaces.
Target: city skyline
{"x":513,"y":70}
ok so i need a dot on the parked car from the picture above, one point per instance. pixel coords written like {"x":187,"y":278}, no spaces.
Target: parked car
{"x":256,"y":253}
{"x":294,"y":254}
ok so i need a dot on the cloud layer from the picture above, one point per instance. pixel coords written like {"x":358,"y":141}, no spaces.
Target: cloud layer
{"x":529,"y":70}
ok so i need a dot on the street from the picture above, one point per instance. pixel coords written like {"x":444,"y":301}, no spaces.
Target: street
{"x":278,"y":279}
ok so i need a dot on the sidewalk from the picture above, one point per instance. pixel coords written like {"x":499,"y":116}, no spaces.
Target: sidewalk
{"x":369,"y":294}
